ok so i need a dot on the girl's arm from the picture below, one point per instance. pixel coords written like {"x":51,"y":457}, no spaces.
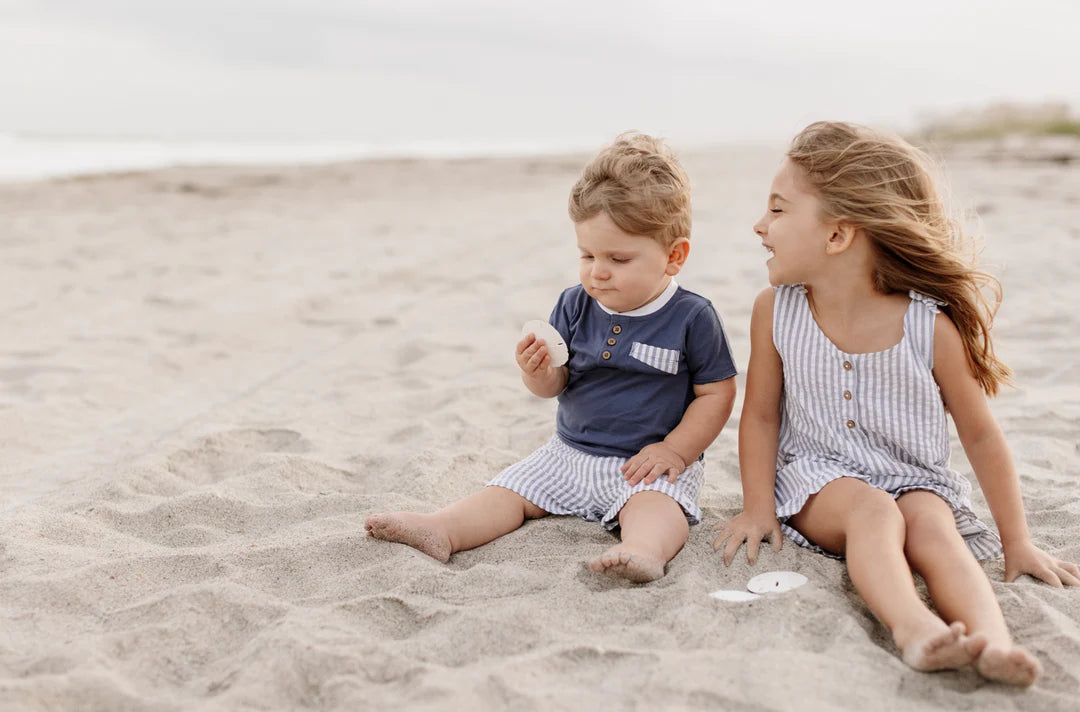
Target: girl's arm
{"x":759,"y":434}
{"x":989,"y":455}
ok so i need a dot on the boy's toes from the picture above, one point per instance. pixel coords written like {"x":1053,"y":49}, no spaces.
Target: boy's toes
{"x":627,"y":565}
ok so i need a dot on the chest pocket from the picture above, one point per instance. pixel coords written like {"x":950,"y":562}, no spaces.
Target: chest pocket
{"x":666,"y":360}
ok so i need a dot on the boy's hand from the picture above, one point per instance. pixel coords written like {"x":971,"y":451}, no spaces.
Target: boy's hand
{"x":651,"y":462}
{"x":751,"y":528}
{"x":532,"y":355}
{"x":1030,"y":559}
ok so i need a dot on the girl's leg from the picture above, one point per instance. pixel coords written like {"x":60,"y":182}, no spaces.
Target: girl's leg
{"x":865,"y":524}
{"x":959,"y":587}
{"x":465,"y":524}
{"x":654,"y":529}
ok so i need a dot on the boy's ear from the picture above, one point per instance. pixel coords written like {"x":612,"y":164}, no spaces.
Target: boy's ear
{"x":842,"y":236}
{"x":677,"y":254}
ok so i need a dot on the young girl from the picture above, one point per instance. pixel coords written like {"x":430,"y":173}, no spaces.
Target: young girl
{"x":875,"y":328}
{"x":649,"y":384}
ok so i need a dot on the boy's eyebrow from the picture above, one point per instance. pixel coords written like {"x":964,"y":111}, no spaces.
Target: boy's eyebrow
{"x":616,"y":251}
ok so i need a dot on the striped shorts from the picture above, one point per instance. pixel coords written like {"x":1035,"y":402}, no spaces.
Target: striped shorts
{"x":561,"y":479}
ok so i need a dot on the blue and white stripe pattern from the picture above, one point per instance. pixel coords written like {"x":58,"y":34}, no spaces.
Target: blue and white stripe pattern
{"x":877,"y":417}
{"x":666,"y":360}
{"x":564,"y":480}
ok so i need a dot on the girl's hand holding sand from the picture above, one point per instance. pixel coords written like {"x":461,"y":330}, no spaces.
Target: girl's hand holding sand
{"x":651,"y":462}
{"x":751,"y":527}
{"x":1026,"y":558}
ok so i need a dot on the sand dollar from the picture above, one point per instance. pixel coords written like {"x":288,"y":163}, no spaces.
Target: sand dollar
{"x":554,"y":341}
{"x":737,"y":596}
{"x":776,"y":582}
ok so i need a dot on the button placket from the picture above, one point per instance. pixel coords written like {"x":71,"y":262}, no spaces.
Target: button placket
{"x":848,"y":404}
{"x":611,"y":341}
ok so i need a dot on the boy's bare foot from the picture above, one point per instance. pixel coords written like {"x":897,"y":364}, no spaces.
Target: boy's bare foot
{"x":626,"y":564}
{"x":416,"y":530}
{"x":1011,"y":665}
{"x":940,"y":647}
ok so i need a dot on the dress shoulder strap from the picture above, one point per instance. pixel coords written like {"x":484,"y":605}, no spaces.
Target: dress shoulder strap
{"x":788,"y":310}
{"x":919,"y":324}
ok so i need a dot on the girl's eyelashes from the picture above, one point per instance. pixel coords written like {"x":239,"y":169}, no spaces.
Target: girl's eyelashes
{"x":775,"y":210}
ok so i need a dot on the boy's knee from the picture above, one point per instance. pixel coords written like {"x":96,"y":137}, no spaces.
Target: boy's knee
{"x":654,"y":506}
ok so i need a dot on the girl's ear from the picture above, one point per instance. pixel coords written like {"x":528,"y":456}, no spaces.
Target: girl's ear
{"x":677,"y":254}
{"x":841,"y":238}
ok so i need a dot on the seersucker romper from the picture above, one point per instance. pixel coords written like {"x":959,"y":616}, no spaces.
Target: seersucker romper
{"x":877,"y":417}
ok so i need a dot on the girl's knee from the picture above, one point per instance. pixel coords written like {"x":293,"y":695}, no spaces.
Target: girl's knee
{"x":930,"y":534}
{"x":875,"y":508}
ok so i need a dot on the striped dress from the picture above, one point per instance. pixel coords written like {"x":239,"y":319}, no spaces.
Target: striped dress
{"x":877,"y":417}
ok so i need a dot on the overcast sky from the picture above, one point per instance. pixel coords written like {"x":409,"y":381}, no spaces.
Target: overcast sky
{"x":483,"y":70}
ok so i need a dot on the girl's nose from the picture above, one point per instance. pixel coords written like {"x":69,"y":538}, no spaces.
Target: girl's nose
{"x":759,"y":228}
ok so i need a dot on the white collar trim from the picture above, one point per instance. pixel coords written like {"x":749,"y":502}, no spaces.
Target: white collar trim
{"x":652,"y":307}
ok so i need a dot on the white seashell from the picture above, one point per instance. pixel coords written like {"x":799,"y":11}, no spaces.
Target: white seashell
{"x":723,"y":595}
{"x":776,"y":582}
{"x":556,"y":346}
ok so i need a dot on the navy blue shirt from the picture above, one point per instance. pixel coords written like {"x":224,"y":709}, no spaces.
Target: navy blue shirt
{"x":632,"y":377}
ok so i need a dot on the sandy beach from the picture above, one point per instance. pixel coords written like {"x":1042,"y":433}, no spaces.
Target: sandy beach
{"x":209,"y":377}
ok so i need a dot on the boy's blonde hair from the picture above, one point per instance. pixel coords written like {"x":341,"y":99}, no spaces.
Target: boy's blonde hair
{"x":641,"y":186}
{"x":885,"y":186}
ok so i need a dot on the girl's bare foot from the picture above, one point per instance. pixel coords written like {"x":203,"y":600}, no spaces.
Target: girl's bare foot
{"x":939,"y":647}
{"x":420,"y":531}
{"x":635,"y":566}
{"x":1011,"y":665}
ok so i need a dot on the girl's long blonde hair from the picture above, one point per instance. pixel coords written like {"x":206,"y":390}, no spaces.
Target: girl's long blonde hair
{"x":885,"y":186}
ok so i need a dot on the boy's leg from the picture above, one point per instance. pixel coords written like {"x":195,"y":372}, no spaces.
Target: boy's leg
{"x":465,"y":524}
{"x":654,"y":529}
{"x":959,"y":587}
{"x":865,"y":524}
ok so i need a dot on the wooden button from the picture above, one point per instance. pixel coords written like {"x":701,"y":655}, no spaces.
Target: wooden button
{"x":616,"y":329}
{"x":850,"y":424}
{"x":611,"y":341}
{"x":606,"y":355}
{"x":847,"y":365}
{"x":847,"y":395}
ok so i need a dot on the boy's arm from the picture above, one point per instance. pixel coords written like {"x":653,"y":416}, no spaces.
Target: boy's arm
{"x":985,"y":446}
{"x":759,"y":435}
{"x":703,"y":420}
{"x":700,"y":424}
